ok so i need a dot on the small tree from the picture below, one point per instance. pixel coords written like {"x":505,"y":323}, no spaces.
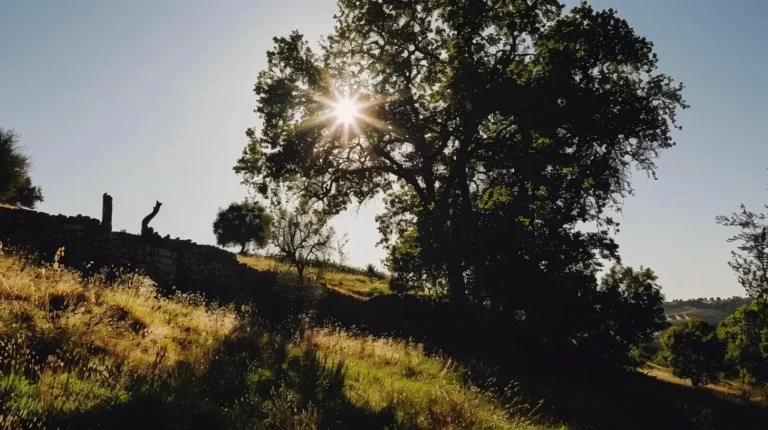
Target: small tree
{"x":745,"y":334}
{"x":302,"y":236}
{"x":15,"y":184}
{"x":242,"y":224}
{"x":693,"y":351}
{"x":631,"y":307}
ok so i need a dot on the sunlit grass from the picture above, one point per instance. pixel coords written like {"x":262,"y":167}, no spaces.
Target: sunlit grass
{"x":360,"y":285}
{"x":423,"y":391}
{"x":75,"y":349}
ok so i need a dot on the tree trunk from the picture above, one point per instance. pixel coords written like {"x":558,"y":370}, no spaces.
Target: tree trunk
{"x":300,"y":272}
{"x":145,"y":230}
{"x":242,"y":248}
{"x":457,"y":287}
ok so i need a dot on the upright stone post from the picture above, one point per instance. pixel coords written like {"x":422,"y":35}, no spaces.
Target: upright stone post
{"x":106,"y":214}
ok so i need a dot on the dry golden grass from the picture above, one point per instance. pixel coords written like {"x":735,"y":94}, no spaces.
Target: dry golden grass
{"x":424,"y":391}
{"x":127,"y":321}
{"x":723,"y":387}
{"x":361,"y":286}
{"x":71,"y":347}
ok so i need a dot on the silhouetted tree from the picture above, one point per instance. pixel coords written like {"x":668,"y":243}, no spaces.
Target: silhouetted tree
{"x":15,"y":182}
{"x":745,"y":334}
{"x":631,"y":307}
{"x":693,"y":351}
{"x":242,"y":224}
{"x":492,"y":129}
{"x":750,"y":262}
{"x":302,"y":236}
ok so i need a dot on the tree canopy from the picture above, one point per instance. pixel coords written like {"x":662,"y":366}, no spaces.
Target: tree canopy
{"x":693,"y":351}
{"x":492,"y":129}
{"x":15,"y":182}
{"x":242,"y":224}
{"x":746,"y":335}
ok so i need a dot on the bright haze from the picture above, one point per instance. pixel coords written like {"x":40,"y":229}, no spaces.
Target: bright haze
{"x":149,"y":100}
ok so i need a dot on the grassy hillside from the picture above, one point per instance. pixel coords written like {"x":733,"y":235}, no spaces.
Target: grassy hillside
{"x":351,"y":281}
{"x":80,"y":353}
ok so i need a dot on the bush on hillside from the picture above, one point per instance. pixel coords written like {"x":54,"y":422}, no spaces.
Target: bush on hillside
{"x":745,"y":334}
{"x":693,"y":351}
{"x":631,"y":309}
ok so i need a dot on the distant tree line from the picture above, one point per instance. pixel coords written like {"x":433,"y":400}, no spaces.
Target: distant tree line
{"x":727,"y":306}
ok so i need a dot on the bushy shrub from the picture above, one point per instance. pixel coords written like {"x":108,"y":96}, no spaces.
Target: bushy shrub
{"x":745,"y":334}
{"x":693,"y":351}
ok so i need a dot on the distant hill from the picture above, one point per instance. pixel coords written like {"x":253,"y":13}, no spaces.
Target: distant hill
{"x":712,"y":310}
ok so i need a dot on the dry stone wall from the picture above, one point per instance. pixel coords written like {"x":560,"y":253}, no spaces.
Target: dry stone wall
{"x":170,"y":262}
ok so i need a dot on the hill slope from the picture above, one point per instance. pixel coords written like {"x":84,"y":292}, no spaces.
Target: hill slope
{"x":90,"y":353}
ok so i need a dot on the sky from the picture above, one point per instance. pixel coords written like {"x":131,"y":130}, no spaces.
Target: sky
{"x":149,"y":100}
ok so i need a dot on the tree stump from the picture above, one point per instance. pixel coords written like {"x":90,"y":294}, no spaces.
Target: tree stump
{"x":106,"y":214}
{"x":146,"y":230}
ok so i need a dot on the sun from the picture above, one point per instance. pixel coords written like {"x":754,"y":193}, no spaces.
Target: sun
{"x":347,"y":114}
{"x":346,"y":110}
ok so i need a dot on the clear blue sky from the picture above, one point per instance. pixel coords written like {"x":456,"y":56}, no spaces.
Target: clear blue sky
{"x":149,"y":100}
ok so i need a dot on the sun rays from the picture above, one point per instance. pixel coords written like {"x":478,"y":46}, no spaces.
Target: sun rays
{"x":346,"y":113}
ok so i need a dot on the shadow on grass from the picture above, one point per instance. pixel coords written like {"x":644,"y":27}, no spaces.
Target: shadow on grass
{"x":575,"y":390}
{"x":255,"y":380}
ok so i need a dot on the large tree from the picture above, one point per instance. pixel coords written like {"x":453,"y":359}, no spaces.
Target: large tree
{"x":15,"y":183}
{"x":491,"y":128}
{"x":242,"y":224}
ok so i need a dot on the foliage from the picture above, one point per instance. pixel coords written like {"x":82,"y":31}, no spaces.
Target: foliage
{"x":750,"y":262}
{"x":472,"y":114}
{"x":301,"y":236}
{"x":492,"y":130}
{"x":15,"y":182}
{"x":630,"y":308}
{"x":244,"y":224}
{"x":693,"y":351}
{"x":745,"y":334}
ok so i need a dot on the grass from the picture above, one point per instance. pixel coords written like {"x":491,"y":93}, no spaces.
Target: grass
{"x":422,"y":391}
{"x":94,"y":353}
{"x":356,"y":284}
{"x":725,"y":387}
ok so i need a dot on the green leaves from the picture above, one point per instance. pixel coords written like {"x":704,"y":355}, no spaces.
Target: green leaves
{"x":746,"y":335}
{"x":693,"y":351}
{"x":15,"y":183}
{"x":479,"y":113}
{"x":242,"y":224}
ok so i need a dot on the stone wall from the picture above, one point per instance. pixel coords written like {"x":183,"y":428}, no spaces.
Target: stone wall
{"x":170,"y":262}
